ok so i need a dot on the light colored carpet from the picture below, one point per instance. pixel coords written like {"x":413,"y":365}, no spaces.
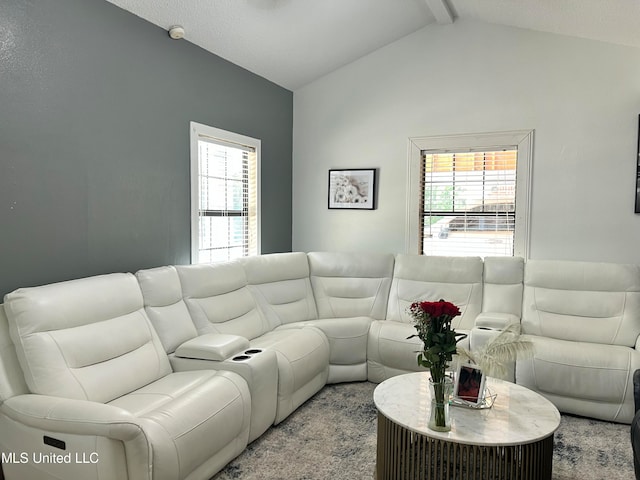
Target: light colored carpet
{"x":333,"y":437}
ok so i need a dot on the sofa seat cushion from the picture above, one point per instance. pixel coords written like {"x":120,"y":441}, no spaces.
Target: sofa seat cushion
{"x":347,"y":337}
{"x":189,"y":415}
{"x":586,"y":379}
{"x":303,"y":365}
{"x":391,"y":352}
{"x":347,"y":346}
{"x":258,"y":368}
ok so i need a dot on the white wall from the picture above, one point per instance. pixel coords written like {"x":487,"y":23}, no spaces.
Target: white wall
{"x":582,"y":97}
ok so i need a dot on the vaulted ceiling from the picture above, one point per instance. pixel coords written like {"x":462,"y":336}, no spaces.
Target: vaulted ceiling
{"x":294,"y":42}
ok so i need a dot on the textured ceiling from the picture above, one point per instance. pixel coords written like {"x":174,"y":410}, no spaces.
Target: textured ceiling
{"x":293,"y":42}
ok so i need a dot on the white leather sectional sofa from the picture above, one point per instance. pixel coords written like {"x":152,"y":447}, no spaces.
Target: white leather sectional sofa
{"x":171,"y":372}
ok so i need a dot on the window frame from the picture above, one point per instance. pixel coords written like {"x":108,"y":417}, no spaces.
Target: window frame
{"x":196,"y":131}
{"x":522,"y":140}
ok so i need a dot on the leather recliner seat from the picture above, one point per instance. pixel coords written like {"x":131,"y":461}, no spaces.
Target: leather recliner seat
{"x":220,"y":302}
{"x":100,"y":383}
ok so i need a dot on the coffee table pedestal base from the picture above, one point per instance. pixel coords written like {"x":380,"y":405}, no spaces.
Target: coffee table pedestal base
{"x":404,"y":454}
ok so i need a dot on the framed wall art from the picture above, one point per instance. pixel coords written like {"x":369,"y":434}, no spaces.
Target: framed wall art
{"x":352,"y":189}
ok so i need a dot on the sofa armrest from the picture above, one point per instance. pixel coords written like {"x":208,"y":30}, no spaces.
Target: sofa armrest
{"x":212,"y":346}
{"x":488,"y":326}
{"x":70,"y":416}
{"x":82,"y":417}
{"x":495,"y":320}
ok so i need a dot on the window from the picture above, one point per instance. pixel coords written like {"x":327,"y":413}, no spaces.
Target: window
{"x":468,"y":202}
{"x":224,"y":195}
{"x":469,"y":194}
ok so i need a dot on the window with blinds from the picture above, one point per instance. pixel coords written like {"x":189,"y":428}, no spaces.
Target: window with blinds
{"x":468,"y":202}
{"x":225,"y":197}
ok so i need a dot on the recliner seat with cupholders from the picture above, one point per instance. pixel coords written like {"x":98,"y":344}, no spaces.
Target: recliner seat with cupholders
{"x":98,"y":382}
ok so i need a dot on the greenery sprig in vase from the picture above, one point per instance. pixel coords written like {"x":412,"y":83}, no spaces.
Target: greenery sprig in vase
{"x":432,"y":321}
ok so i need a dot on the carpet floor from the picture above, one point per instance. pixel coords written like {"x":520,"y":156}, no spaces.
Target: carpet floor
{"x":333,"y":437}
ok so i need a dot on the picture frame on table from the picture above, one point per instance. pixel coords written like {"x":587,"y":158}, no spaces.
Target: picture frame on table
{"x":352,"y":189}
{"x":469,"y":384}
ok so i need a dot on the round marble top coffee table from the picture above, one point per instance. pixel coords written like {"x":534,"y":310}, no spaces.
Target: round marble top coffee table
{"x":511,"y":440}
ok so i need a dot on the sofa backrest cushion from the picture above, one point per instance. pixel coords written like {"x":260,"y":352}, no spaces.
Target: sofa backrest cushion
{"x":219,"y":301}
{"x":582,"y":301}
{"x":86,"y":339}
{"x":350,"y":284}
{"x":281,"y":286}
{"x":431,"y":278}
{"x":11,"y":377}
{"x":503,"y":285}
{"x":162,"y":294}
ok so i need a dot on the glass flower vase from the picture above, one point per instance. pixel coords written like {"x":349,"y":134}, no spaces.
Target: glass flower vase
{"x":441,"y":391}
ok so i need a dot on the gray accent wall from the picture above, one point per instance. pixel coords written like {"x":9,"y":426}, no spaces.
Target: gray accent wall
{"x":95,"y":105}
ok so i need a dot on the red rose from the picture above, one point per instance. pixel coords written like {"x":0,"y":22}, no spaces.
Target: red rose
{"x":437,"y":309}
{"x":430,"y":308}
{"x":450,"y":309}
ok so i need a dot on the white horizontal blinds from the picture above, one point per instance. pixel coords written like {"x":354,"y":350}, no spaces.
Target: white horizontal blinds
{"x":469,"y":202}
{"x":227,"y":200}
{"x":252,"y":209}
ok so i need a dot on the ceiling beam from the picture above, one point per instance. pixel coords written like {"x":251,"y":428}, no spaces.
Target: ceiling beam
{"x":441,"y":10}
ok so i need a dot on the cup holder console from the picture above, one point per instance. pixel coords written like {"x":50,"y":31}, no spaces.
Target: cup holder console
{"x":246,"y":355}
{"x":239,"y":358}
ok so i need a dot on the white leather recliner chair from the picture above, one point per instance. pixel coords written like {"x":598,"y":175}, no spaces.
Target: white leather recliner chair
{"x":350,"y":291}
{"x":220,"y":302}
{"x":100,"y":396}
{"x":187,"y":350}
{"x":421,"y":278}
{"x":583,"y":319}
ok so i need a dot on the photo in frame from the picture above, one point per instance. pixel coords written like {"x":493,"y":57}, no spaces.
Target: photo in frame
{"x":469,"y":384}
{"x":352,"y":189}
